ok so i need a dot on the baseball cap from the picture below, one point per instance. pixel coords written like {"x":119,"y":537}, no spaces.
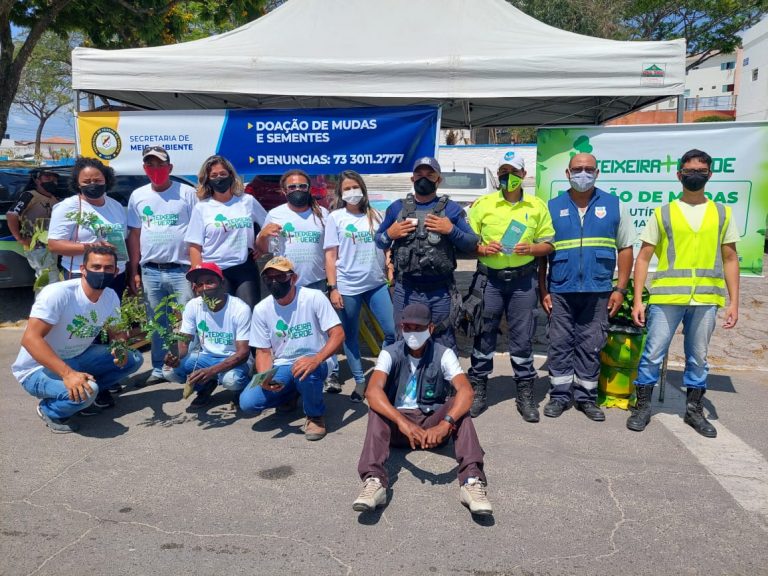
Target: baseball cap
{"x":427,"y":161}
{"x":279,"y":263}
{"x":204,"y":267}
{"x":157,"y":152}
{"x":517,"y":163}
{"x":416,"y":313}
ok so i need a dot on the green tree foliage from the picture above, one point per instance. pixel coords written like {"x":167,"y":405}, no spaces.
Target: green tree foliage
{"x":708,"y":26}
{"x":44,"y":85}
{"x":109,"y":24}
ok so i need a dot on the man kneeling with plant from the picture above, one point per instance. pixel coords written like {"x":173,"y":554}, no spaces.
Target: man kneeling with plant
{"x":222,"y":325}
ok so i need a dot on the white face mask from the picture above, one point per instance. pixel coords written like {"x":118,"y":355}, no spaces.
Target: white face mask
{"x":352,"y":196}
{"x":416,"y":340}
{"x":582,"y":181}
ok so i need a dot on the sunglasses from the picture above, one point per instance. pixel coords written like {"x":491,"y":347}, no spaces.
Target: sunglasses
{"x":297,"y":187}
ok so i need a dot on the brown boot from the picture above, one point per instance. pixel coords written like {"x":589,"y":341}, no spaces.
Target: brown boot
{"x":314,"y":428}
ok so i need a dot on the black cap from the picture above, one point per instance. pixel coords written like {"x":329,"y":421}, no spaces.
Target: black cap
{"x":416,"y":313}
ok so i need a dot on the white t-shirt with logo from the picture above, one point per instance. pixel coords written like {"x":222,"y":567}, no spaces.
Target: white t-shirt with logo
{"x":218,"y":331}
{"x":301,"y":241}
{"x":225,"y":229}
{"x":296,"y":330}
{"x":75,"y":319}
{"x":360,"y":264}
{"x":111,"y":219}
{"x":163,"y":218}
{"x":408,"y":400}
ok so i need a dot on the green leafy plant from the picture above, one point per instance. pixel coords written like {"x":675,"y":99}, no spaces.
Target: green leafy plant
{"x":117,"y":331}
{"x":91,"y":221}
{"x":210,"y":302}
{"x":170,"y":308}
{"x":623,"y":318}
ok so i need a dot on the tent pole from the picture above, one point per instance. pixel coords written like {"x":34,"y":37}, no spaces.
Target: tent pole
{"x":680,"y":108}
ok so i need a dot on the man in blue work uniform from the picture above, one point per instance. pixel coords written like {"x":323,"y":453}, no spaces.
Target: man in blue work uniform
{"x":424,"y":232}
{"x":579,"y":295}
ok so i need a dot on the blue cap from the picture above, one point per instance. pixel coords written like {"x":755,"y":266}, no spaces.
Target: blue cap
{"x":428,"y":161}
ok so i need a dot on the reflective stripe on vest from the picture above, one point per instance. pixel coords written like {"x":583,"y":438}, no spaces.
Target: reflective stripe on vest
{"x":673,"y":284}
{"x":584,"y":242}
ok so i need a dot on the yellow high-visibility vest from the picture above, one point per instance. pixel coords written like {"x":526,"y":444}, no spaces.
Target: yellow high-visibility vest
{"x":690,"y":263}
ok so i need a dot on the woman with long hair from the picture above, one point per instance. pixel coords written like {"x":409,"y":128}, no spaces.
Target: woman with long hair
{"x":356,"y":269}
{"x":221,"y":229}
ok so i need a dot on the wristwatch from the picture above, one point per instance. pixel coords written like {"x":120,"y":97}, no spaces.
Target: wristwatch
{"x":622,"y":291}
{"x":451,"y":422}
{"x":331,"y":288}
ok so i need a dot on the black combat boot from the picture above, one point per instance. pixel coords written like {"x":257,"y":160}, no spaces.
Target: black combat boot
{"x":694,"y":413}
{"x":641,"y":414}
{"x":525,"y":404}
{"x":480,"y":402}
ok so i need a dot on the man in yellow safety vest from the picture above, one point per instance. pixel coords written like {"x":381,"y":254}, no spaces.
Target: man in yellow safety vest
{"x":695,"y":242}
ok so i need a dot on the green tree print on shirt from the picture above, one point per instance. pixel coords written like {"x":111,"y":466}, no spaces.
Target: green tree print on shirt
{"x":281,"y":329}
{"x":287,"y":229}
{"x":351,"y":230}
{"x":221,"y":221}
{"x":147,"y":215}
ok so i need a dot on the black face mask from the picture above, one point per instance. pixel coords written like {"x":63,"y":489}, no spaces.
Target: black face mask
{"x":278,"y":289}
{"x":504,"y":181}
{"x":424,"y":186}
{"x":98,"y":280}
{"x":694,"y":182}
{"x":93,"y":191}
{"x":221,"y":184}
{"x":298,"y":198}
{"x":49,"y":187}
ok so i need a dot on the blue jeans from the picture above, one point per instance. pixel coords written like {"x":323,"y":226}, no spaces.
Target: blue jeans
{"x":97,"y":361}
{"x":157,"y":285}
{"x":662,"y":321}
{"x":233,"y":379}
{"x":322,"y":285}
{"x":257,"y":399}
{"x":380,"y":303}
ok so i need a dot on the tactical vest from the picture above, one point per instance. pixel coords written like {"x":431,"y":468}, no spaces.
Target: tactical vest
{"x":690,"y":263}
{"x":585,"y":253}
{"x":423,"y":253}
{"x":432,"y":389}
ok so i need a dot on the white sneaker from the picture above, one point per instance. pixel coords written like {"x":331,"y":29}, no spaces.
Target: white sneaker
{"x":371,"y":496}
{"x":474,"y":497}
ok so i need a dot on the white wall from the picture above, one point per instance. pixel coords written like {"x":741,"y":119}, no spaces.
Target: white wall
{"x":753,"y":94}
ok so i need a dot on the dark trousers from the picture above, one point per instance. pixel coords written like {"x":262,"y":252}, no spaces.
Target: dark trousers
{"x":517,"y":299}
{"x":437,"y":300}
{"x":243,"y":281}
{"x":578,"y":327}
{"x":382,"y":433}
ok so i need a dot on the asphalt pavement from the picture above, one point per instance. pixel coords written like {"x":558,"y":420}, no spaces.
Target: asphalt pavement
{"x":152,"y":488}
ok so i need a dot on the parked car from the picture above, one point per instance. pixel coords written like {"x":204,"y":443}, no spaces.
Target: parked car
{"x":14,"y":269}
{"x":266,"y":189}
{"x":466,"y":184}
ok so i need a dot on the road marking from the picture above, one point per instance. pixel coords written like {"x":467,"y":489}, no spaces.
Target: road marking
{"x":740,"y":469}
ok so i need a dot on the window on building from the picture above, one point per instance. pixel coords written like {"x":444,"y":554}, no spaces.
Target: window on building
{"x":728,"y":87}
{"x":745,"y":62}
{"x":701,"y":88}
{"x":728,"y":65}
{"x":714,"y":87}
{"x":754,"y":74}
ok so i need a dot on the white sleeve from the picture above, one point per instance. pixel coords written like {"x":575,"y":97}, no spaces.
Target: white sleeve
{"x":383,"y":362}
{"x":243,"y":323}
{"x":259,"y":331}
{"x":195,"y":230}
{"x":49,"y":305}
{"x":331,"y":236}
{"x":450,"y":365}
{"x":731,"y":232}
{"x":134,"y":220}
{"x":325,"y":313}
{"x":258,"y":214}
{"x":188,"y":324}
{"x":651,"y":234}
{"x":625,"y":236}
{"x":61,"y":227}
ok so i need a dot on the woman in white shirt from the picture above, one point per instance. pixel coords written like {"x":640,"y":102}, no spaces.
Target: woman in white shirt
{"x":221,"y":229}
{"x":356,"y":269}
{"x":89,"y":217}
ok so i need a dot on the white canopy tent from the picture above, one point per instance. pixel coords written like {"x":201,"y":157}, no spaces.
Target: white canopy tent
{"x":486,"y":62}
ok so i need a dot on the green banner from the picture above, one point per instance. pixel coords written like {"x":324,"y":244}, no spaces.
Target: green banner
{"x":639,"y":165}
